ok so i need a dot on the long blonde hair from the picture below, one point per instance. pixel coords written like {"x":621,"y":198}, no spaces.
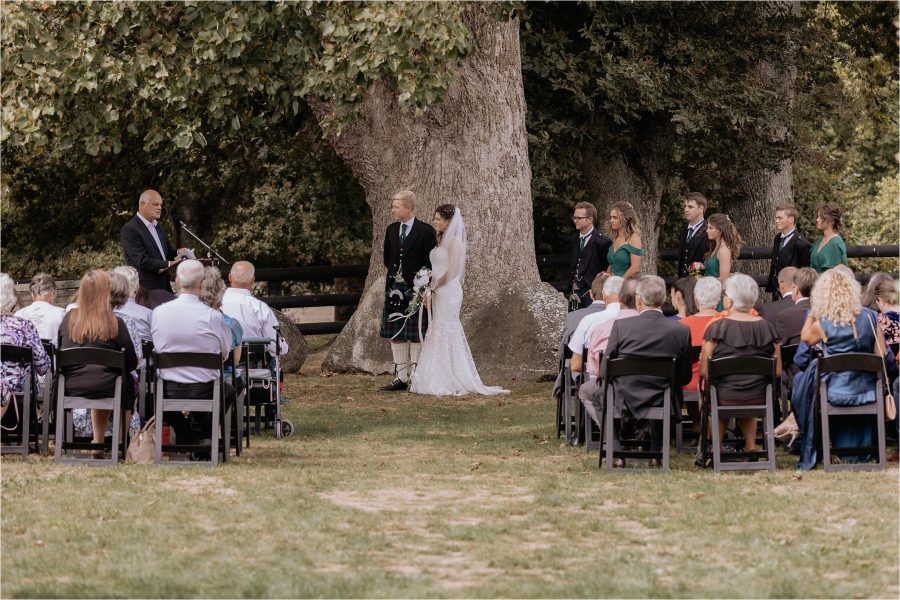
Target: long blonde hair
{"x":836,"y":297}
{"x":93,"y":319}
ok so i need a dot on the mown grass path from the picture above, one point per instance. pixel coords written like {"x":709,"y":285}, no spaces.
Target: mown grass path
{"x":398,"y":495}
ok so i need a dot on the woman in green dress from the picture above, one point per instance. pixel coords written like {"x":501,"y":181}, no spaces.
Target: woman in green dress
{"x":829,"y":250}
{"x":625,"y":253}
{"x":724,"y":247}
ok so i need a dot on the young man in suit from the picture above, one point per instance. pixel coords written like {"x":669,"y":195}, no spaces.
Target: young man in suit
{"x":650,"y":335}
{"x":693,"y":242}
{"x":146,"y":246}
{"x":790,"y":321}
{"x":790,"y":248}
{"x":589,"y":255}
{"x":407,"y":245}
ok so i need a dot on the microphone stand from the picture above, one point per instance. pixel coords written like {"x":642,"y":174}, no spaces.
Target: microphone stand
{"x":209,"y":250}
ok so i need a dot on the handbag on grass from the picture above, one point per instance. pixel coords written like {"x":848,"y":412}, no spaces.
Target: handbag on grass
{"x":141,"y":449}
{"x":890,"y":407}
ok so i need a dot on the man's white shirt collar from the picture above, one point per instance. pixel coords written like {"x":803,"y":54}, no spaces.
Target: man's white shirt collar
{"x":586,"y":235}
{"x":146,"y":222}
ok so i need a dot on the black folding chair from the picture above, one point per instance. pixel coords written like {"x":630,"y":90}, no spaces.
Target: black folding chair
{"x":16,"y":440}
{"x":743,"y":365}
{"x":45,"y":399}
{"x":146,"y":382}
{"x":853,"y":361}
{"x":684,"y":430}
{"x":65,"y":442}
{"x":592,"y":432}
{"x":646,"y":367}
{"x":220,"y":418}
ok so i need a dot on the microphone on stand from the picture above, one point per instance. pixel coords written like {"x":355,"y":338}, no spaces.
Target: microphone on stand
{"x":210,"y":251}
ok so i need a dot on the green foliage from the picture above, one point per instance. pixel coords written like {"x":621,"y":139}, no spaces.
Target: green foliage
{"x":178,"y":75}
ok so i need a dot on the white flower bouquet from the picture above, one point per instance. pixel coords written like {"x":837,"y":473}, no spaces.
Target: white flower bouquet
{"x":421,"y":280}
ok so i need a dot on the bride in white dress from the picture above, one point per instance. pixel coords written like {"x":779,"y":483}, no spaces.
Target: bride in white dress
{"x":445,"y":366}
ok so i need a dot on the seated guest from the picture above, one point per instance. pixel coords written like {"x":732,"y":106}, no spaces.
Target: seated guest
{"x":740,"y":334}
{"x":211,"y":291}
{"x":620,"y":303}
{"x":572,"y":320}
{"x":683,"y":298}
{"x":254,"y":315}
{"x":42,"y":311}
{"x":838,"y":321}
{"x":118,"y":296}
{"x":17,"y":331}
{"x":828,"y":250}
{"x":881,"y":296}
{"x":770,"y":310}
{"x":92,"y":324}
{"x":790,"y":321}
{"x":707,"y":294}
{"x":610,"y":288}
{"x":787,"y":328}
{"x":141,"y":314}
{"x":188,"y":325}
{"x":649,"y":335}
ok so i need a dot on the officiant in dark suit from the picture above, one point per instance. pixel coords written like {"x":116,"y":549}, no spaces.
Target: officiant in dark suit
{"x":588,"y":257}
{"x":790,"y":248}
{"x":693,"y":242}
{"x":408,"y":242}
{"x":146,"y":246}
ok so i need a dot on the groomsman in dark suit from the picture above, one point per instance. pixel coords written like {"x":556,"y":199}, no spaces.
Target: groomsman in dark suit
{"x":650,"y":335}
{"x":692,"y":243}
{"x":589,"y":255}
{"x":146,"y":246}
{"x":790,"y":248}
{"x":407,"y":245}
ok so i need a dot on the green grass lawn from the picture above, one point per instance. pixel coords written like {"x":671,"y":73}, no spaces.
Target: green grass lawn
{"x":400,"y":495}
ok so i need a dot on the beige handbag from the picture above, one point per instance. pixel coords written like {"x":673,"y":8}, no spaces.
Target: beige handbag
{"x":890,"y":407}
{"x":141,"y":449}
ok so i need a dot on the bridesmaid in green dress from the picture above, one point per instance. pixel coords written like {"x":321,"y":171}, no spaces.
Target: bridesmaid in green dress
{"x":724,"y":247}
{"x":829,"y":250}
{"x":625,"y":252}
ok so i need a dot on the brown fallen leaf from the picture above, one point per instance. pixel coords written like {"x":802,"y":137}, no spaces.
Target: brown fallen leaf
{"x":696,"y":495}
{"x":475,"y":466}
{"x":797,"y":476}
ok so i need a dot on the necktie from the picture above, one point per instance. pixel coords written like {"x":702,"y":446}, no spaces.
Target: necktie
{"x":402,"y":234}
{"x":781,"y":245}
{"x":582,"y":244}
{"x":690,"y":234}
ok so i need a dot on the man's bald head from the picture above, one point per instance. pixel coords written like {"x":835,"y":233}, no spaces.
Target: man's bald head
{"x":242,"y":274}
{"x":786,"y":279}
{"x":150,"y":205}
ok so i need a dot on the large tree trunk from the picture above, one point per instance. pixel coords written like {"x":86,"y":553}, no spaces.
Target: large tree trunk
{"x":470,"y":150}
{"x":757,"y":192}
{"x":752,"y":208}
{"x":638,"y":176}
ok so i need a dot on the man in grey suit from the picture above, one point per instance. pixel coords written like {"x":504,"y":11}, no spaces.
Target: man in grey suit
{"x":650,"y":335}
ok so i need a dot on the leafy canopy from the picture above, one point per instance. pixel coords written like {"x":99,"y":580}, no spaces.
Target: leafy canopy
{"x":92,"y":74}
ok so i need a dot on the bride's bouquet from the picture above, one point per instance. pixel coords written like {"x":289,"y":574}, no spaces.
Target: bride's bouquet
{"x":420,"y":290}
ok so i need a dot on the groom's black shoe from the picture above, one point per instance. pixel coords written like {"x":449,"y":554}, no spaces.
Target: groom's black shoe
{"x":394,"y":386}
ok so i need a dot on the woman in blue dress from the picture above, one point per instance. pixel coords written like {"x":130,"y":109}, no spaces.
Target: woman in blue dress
{"x":625,"y":252}
{"x":838,"y":323}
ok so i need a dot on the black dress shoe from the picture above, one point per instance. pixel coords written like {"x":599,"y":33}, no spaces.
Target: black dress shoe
{"x":619,"y":463}
{"x":394,"y":386}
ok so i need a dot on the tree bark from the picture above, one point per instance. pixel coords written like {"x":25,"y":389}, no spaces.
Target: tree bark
{"x":471,"y":150}
{"x":638,"y":176}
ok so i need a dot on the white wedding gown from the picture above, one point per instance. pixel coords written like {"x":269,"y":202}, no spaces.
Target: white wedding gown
{"x":445,"y":365}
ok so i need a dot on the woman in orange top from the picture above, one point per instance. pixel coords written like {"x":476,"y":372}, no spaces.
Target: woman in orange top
{"x":707,"y":294}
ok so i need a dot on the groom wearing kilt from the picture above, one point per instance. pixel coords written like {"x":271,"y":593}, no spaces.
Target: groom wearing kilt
{"x":407,"y":245}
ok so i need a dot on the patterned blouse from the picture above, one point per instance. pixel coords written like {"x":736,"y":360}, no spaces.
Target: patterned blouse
{"x":890,"y":326}
{"x":20,"y":332}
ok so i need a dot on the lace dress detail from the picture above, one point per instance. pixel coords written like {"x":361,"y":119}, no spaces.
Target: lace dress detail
{"x":446,"y":367}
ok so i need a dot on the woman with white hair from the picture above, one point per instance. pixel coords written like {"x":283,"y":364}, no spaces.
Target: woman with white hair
{"x":740,"y":334}
{"x":18,"y":332}
{"x":706,"y":296}
{"x":840,"y":324}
